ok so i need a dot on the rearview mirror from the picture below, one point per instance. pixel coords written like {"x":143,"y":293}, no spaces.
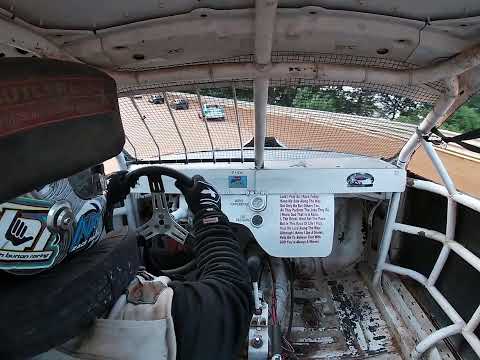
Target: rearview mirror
{"x":56,"y":119}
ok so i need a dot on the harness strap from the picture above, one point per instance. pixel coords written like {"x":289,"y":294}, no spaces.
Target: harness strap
{"x":458,"y":139}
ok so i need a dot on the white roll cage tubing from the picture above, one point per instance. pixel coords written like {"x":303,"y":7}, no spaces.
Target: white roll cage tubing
{"x":459,"y":326}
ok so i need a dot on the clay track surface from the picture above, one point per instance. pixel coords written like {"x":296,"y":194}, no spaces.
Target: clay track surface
{"x":294,"y":130}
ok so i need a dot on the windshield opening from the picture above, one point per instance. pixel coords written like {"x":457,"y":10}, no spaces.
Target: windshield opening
{"x":301,"y":116}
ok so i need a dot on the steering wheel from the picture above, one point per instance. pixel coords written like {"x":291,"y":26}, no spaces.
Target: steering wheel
{"x":161,"y":222}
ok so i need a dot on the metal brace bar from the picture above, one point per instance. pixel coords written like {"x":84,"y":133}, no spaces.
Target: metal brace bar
{"x":433,"y":338}
{"x":176,"y":125}
{"x":416,"y":230}
{"x":260,"y":92}
{"x":387,"y":236}
{"x":265,"y":18}
{"x":460,"y":198}
{"x":473,"y":340}
{"x":441,"y":108}
{"x":238,"y":121}
{"x":133,"y":147}
{"x":206,"y":125}
{"x":438,"y":267}
{"x":129,"y":203}
{"x":474,"y":321}
{"x":449,"y":236}
{"x":449,"y":191}
{"x":307,"y":70}
{"x":439,"y":167}
{"x":142,"y":118}
{"x":436,"y":295}
{"x":459,"y":249}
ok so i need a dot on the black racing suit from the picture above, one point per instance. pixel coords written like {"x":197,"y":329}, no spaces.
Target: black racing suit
{"x":212,"y":315}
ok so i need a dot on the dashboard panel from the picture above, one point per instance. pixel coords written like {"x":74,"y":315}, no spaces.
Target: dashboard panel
{"x":289,"y":205}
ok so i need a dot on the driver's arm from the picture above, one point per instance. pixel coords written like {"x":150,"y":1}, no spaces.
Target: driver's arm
{"x":212,"y":315}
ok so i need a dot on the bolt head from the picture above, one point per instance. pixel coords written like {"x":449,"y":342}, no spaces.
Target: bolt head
{"x":257,"y":342}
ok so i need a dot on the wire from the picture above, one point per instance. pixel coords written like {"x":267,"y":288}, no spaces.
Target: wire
{"x":427,"y":22}
{"x":274,"y":293}
{"x":291,"y":269}
{"x":288,"y":344}
{"x":262,"y":266}
{"x":289,"y":350}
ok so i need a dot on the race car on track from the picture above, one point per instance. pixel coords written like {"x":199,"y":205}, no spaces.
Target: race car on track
{"x":180,"y":104}
{"x":212,"y":112}
{"x":156,"y":99}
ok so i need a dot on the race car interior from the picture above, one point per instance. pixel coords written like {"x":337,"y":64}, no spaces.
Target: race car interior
{"x":342,"y":137}
{"x":321,"y":228}
{"x":279,"y":226}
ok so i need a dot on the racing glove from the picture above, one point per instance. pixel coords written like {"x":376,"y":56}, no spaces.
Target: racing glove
{"x":201,"y":196}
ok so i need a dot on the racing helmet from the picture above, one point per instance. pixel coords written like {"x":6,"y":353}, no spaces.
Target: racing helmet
{"x":40,"y":229}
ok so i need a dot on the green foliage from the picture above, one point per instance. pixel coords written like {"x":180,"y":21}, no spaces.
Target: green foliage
{"x":466,"y":118}
{"x":325,"y":100}
{"x":282,"y":96}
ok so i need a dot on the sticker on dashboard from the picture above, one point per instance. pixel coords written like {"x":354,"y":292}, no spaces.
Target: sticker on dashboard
{"x":306,"y":220}
{"x":360,"y":180}
{"x":237,"y":182}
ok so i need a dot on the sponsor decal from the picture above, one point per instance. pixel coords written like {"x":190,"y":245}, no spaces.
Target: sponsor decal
{"x":237,"y":182}
{"x":89,"y":225}
{"x":25,"y":241}
{"x":26,"y":244}
{"x":360,"y":180}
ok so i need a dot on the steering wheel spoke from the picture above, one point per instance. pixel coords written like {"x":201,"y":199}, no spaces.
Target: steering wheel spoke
{"x":146,"y":231}
{"x":161,"y":222}
{"x":159,"y":201}
{"x":177,"y":232}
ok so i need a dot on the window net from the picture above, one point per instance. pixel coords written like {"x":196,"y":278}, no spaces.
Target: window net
{"x":215,"y":122}
{"x":305,"y":118}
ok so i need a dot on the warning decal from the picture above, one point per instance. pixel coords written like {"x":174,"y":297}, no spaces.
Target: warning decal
{"x":306,"y":219}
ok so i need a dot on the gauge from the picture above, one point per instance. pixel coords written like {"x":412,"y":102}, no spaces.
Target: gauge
{"x":257,"y":220}
{"x":258,"y":203}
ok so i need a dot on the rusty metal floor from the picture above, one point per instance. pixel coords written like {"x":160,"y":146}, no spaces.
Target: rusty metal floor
{"x":336,"y":318}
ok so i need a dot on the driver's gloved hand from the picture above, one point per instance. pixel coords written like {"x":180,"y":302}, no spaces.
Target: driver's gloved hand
{"x":201,"y":196}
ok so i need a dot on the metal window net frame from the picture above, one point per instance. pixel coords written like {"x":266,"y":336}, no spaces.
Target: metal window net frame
{"x":448,"y":190}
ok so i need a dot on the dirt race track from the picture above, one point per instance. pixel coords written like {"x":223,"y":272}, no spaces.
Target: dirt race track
{"x":291,"y":129}
{"x":296,"y":132}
